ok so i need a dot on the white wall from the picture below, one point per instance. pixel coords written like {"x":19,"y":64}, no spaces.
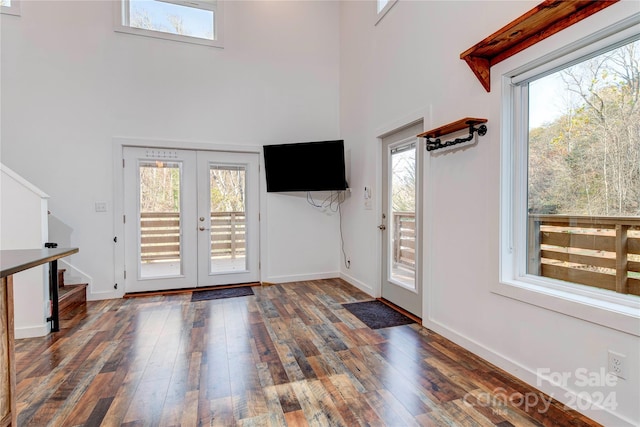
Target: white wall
{"x":408,"y":67}
{"x":70,"y":84}
{"x":23,"y":225}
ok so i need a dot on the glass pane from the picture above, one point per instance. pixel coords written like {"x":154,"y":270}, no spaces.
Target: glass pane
{"x":6,"y":3}
{"x":583,"y":175}
{"x":402,"y":259}
{"x":171,"y":18}
{"x":228,"y":227}
{"x":160,"y":251}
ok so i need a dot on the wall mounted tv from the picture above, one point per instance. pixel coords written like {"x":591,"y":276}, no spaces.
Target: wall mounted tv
{"x":305,"y":166}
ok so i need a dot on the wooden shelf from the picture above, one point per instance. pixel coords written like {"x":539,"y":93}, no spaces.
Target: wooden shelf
{"x":542,"y":21}
{"x":452,"y":127}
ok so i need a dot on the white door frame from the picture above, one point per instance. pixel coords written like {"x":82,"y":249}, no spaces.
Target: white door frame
{"x":118,"y":196}
{"x":423,"y":201}
{"x":419,"y":181}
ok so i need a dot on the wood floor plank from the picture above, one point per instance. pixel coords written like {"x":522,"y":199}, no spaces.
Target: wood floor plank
{"x":288,"y":355}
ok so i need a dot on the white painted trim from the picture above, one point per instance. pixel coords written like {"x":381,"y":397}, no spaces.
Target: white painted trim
{"x":20,"y":180}
{"x":404,"y":121}
{"x":602,"y":307}
{"x":14,"y":9}
{"x":185,"y":144}
{"x":34,"y":331}
{"x":76,"y":272}
{"x":118,"y":224}
{"x":302,"y":277}
{"x":357,"y":283}
{"x":118,"y":144}
{"x":529,"y":376}
{"x":387,"y":7}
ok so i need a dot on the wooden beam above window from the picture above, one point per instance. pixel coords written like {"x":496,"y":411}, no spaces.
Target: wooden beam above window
{"x":542,"y":21}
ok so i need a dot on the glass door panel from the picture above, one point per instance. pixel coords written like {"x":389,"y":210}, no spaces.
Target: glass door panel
{"x":401,"y":259}
{"x":227,"y":185}
{"x":160,"y":218}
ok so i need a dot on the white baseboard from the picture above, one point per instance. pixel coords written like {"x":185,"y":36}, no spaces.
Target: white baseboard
{"x":302,"y":277}
{"x":75,"y":273}
{"x":98,"y":296}
{"x":358,"y":284}
{"x":597,"y":413}
{"x":32,"y":331}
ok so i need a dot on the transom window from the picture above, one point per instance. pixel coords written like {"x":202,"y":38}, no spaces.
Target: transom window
{"x":10,"y":7}
{"x":197,"y":22}
{"x":382,"y":7}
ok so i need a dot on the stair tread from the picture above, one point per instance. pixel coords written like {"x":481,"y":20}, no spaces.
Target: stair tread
{"x":68,"y":290}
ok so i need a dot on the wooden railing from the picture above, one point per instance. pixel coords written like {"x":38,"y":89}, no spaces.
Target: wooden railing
{"x":404,"y":239}
{"x":160,"y":235}
{"x":603,"y":252}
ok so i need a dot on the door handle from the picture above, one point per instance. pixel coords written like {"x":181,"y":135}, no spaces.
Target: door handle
{"x":382,"y":227}
{"x":202,"y":228}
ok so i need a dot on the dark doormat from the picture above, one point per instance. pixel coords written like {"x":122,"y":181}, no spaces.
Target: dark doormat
{"x":377,"y":315}
{"x":241,"y":291}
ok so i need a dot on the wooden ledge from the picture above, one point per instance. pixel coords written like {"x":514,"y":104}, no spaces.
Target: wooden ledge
{"x":452,"y":127}
{"x":542,"y":21}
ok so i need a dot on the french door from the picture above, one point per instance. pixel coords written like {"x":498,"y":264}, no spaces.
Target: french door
{"x":400,"y":222}
{"x":191,"y":218}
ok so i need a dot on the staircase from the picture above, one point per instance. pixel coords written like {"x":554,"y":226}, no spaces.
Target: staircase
{"x":70,"y":297}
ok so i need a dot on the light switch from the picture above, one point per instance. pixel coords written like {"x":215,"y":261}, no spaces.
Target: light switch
{"x":101,"y":206}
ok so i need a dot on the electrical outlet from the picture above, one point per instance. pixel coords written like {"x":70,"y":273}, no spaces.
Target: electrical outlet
{"x":616,"y":364}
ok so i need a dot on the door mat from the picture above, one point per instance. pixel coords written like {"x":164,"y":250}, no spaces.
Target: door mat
{"x":241,"y":291}
{"x":377,"y":315}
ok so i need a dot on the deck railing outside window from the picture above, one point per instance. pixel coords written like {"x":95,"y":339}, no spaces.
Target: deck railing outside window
{"x":603,"y":252}
{"x":404,"y":239}
{"x":160,"y":235}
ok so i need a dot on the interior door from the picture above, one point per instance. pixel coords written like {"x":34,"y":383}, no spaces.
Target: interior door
{"x":400,"y":222}
{"x":191,"y":218}
{"x":228,"y":212}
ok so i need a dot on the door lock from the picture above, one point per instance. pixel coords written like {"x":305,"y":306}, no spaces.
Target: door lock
{"x":201,"y":218}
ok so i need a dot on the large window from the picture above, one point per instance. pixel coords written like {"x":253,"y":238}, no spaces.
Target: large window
{"x":583,"y":172}
{"x":197,"y":22}
{"x":571,"y":177}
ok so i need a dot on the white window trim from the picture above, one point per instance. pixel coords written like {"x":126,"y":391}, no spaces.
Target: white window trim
{"x":121,"y":5}
{"x":599,"y":306}
{"x":14,"y":9}
{"x":384,"y":10}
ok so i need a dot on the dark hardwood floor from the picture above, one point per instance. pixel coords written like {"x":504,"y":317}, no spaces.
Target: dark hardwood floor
{"x":290,"y":355}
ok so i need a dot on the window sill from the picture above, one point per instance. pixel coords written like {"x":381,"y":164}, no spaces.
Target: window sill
{"x":168,"y":36}
{"x":605,"y":308}
{"x":14,"y":9}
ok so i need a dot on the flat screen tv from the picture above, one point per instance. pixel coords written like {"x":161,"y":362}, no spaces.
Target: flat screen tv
{"x":305,"y":166}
